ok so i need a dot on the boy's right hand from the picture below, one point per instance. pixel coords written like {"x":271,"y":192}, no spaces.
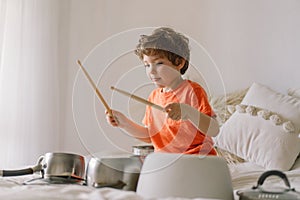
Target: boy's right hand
{"x":117,"y":119}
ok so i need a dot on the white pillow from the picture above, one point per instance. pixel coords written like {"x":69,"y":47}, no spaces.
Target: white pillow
{"x":294,"y":92}
{"x":263,"y":139}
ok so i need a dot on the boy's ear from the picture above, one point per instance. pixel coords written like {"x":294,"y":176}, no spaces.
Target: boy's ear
{"x":181,"y":63}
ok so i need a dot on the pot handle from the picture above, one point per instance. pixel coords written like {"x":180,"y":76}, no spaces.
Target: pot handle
{"x":39,"y":166}
{"x":266,"y":174}
{"x":16,"y":172}
{"x":20,"y":172}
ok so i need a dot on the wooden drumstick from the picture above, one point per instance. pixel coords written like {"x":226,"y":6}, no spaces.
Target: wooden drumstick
{"x":95,"y":88}
{"x":139,"y":99}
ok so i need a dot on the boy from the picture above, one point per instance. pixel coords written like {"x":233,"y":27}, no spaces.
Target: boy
{"x":187,"y":124}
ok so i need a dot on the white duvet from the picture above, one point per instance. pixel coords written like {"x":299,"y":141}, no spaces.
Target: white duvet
{"x":244,"y":176}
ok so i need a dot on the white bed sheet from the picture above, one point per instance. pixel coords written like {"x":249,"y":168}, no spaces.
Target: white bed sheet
{"x":12,"y":188}
{"x":244,"y":176}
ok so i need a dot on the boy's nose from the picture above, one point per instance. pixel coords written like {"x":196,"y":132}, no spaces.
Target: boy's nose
{"x":152,"y":69}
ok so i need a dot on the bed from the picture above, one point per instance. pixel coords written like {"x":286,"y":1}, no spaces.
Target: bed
{"x":251,"y":141}
{"x":244,"y":176}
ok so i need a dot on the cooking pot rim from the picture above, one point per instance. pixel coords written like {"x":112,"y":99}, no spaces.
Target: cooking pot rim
{"x":63,"y":154}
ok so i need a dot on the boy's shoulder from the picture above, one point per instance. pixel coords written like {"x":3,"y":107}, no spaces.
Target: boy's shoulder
{"x":197,"y":88}
{"x":195,"y":84}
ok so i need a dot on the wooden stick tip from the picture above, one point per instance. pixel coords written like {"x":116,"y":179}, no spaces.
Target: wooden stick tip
{"x":78,"y":61}
{"x":112,"y":87}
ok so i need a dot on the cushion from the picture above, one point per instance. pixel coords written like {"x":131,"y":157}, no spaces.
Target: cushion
{"x":263,"y":129}
{"x":295,"y":92}
{"x":223,"y":107}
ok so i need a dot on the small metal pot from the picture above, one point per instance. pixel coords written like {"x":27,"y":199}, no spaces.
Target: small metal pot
{"x":117,"y":172}
{"x":142,"y":151}
{"x":64,"y":165}
{"x":54,"y":165}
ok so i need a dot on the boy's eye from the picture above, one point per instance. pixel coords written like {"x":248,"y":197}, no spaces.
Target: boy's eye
{"x":157,"y":63}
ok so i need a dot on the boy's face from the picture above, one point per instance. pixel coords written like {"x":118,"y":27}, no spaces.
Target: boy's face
{"x":161,"y":71}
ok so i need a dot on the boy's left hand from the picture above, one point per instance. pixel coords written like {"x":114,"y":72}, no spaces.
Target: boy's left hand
{"x":176,"y":111}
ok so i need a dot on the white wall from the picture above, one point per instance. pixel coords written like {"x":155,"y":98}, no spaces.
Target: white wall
{"x":249,"y":40}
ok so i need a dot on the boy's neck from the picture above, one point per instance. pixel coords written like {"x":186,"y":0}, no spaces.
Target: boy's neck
{"x":173,"y":85}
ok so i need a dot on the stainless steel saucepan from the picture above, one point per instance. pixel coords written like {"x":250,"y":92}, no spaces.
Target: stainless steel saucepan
{"x":117,"y":171}
{"x":64,"y":165}
{"x":54,"y":165}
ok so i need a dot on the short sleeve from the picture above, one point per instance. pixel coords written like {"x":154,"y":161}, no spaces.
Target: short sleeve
{"x":200,"y":101}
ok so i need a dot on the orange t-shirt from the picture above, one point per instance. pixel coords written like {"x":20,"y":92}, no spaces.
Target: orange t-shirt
{"x":180,"y":136}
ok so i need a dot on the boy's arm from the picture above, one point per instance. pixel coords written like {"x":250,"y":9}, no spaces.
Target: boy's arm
{"x":120,"y":120}
{"x":201,"y":121}
{"x":137,"y":131}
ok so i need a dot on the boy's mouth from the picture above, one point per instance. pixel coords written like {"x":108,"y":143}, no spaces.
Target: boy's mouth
{"x":155,"y":79}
